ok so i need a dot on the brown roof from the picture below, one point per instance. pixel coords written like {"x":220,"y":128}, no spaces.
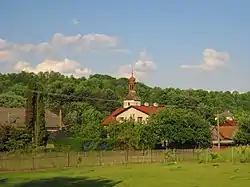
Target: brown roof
{"x":132,"y":96}
{"x":16,"y":116}
{"x":227,"y":130}
{"x":145,"y":109}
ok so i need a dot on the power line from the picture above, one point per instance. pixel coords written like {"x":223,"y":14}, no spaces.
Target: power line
{"x":81,"y":98}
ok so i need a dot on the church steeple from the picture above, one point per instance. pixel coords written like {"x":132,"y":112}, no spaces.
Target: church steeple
{"x":131,"y":99}
{"x":132,"y":82}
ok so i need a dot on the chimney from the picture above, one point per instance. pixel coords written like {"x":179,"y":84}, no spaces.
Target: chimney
{"x":155,"y":104}
{"x":146,"y":104}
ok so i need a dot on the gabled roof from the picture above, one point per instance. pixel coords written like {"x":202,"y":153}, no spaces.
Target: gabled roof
{"x":227,"y":130}
{"x":229,"y":123}
{"x":16,"y":116}
{"x":145,"y":109}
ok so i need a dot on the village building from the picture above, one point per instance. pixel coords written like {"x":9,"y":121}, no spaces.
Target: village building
{"x":132,"y":108}
{"x":16,"y":117}
{"x":227,"y":130}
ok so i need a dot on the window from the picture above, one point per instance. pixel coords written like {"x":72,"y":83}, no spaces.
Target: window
{"x":132,"y":116}
{"x":128,"y":103}
{"x":139,"y":119}
{"x":121,"y":118}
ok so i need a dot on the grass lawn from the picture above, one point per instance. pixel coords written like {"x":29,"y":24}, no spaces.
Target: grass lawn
{"x":144,"y":175}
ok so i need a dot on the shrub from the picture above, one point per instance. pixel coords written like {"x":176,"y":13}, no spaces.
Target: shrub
{"x":170,"y":155}
{"x":243,"y":154}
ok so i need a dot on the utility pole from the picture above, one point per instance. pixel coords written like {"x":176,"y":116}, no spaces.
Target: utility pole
{"x":60,"y":119}
{"x":8,"y":118}
{"x":218,"y":129}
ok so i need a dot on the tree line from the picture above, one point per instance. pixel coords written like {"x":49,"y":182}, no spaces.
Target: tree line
{"x":86,"y":102}
{"x":34,"y":134}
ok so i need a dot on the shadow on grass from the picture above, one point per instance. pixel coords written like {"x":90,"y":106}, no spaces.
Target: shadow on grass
{"x":68,"y":182}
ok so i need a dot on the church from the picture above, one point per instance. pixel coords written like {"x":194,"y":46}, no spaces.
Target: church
{"x":132,"y":108}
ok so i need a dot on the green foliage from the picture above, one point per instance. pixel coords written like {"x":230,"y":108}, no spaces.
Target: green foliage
{"x":12,"y":138}
{"x":181,"y":128}
{"x":243,"y":153}
{"x":10,"y":99}
{"x":242,"y":136}
{"x":207,"y":156}
{"x":68,"y":144}
{"x":170,"y":155}
{"x":130,"y":135}
{"x":86,"y":102}
{"x":30,"y":110}
{"x":41,"y":132}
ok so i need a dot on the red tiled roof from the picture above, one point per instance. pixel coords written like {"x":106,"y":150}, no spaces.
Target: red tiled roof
{"x":149,"y":109}
{"x":146,"y":109}
{"x":227,"y":130}
{"x":112,"y":116}
{"x":229,"y":123}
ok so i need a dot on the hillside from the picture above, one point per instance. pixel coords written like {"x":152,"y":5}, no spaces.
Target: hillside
{"x":103,"y":93}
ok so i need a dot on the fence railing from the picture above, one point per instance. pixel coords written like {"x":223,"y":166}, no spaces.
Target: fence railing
{"x":13,"y":162}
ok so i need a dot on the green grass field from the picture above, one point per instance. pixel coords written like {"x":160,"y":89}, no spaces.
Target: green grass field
{"x":141,"y":175}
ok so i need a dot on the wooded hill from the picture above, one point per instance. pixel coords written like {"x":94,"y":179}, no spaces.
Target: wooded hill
{"x":88,"y":101}
{"x":104,"y":94}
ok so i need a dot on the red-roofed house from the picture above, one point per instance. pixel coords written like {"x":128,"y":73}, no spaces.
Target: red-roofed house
{"x":227,"y":130}
{"x":132,"y":108}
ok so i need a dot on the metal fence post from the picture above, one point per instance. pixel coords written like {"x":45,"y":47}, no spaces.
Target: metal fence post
{"x":33,"y":162}
{"x":68,"y":159}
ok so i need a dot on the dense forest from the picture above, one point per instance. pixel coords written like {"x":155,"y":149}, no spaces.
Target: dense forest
{"x":83,"y":101}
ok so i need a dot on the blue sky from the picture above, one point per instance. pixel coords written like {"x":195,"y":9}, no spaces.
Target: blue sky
{"x":154,"y":37}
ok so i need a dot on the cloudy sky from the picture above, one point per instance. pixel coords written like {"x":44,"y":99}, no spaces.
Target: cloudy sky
{"x":184,"y":44}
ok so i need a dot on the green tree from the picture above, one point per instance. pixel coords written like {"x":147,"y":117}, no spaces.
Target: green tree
{"x":30,"y":110}
{"x":123,"y":135}
{"x":41,"y":132}
{"x":12,"y":138}
{"x":242,"y":136}
{"x":181,"y":128}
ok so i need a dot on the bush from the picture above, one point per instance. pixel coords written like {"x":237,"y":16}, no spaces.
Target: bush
{"x":170,"y":155}
{"x":68,"y":144}
{"x":12,"y":138}
{"x":207,"y":156}
{"x":242,"y":153}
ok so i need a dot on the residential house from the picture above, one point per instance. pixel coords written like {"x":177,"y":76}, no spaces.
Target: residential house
{"x":16,"y":116}
{"x":132,"y":108}
{"x":227,"y":129}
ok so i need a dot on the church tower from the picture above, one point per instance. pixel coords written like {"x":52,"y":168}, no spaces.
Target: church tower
{"x":131,"y":99}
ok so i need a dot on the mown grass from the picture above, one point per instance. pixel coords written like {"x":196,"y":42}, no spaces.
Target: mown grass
{"x":146,"y":175}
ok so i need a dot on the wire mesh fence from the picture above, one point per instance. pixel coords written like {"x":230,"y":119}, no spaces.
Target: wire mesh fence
{"x":10,"y":161}
{"x":14,"y":162}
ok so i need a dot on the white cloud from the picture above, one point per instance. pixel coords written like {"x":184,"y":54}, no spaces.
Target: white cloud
{"x":58,"y":46}
{"x":86,"y":42}
{"x":212,"y":60}
{"x":66,"y":67}
{"x":142,"y":68}
{"x":59,"y":42}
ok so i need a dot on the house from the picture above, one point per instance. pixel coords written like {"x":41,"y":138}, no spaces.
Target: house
{"x":16,"y":116}
{"x":227,"y":130}
{"x":132,"y":108}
